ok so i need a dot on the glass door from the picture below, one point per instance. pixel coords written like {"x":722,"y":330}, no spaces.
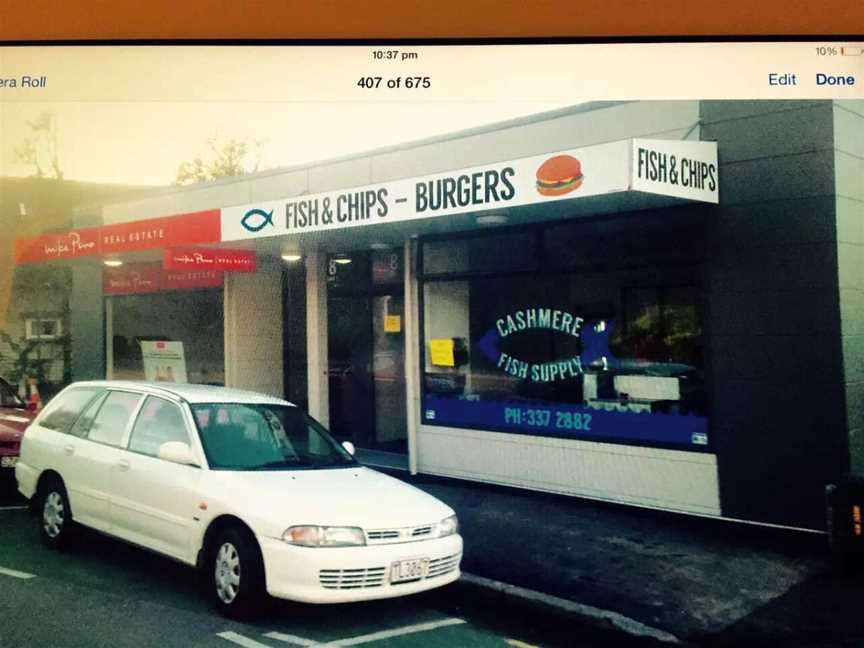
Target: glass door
{"x":366,"y":326}
{"x":388,"y":372}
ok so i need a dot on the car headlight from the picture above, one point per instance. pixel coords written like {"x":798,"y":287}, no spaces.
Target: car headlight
{"x":448,"y":526}
{"x":324,"y":536}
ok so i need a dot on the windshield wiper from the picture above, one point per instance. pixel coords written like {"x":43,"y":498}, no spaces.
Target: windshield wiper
{"x":282,"y":463}
{"x":334,"y":464}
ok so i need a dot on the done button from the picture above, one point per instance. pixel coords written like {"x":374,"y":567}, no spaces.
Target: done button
{"x":823,"y":79}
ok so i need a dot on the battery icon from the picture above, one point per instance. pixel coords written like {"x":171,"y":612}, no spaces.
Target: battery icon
{"x":852,"y":51}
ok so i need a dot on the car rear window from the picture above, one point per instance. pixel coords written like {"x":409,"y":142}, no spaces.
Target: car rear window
{"x":67,"y":407}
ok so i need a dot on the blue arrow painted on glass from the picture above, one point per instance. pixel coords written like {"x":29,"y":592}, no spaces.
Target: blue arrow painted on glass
{"x":266,"y":218}
{"x":595,"y":343}
{"x":488,"y":344}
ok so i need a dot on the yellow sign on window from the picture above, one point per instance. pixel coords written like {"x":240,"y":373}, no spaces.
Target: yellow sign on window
{"x":392,"y":323}
{"x":442,"y":352}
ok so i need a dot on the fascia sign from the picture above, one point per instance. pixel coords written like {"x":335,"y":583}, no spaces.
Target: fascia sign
{"x":665,"y":167}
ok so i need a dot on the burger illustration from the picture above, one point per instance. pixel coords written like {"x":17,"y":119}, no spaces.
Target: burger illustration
{"x":559,"y":175}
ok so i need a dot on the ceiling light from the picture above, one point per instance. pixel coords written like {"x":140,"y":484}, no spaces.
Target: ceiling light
{"x":492,"y":219}
{"x":342,"y":260}
{"x":291,"y":258}
{"x":113,"y":263}
{"x":380,"y":246}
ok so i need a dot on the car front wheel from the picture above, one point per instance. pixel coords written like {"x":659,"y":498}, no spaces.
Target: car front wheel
{"x":237,"y":574}
{"x":56,"y":516}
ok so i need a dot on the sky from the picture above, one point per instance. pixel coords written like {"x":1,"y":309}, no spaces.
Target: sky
{"x":145,"y":142}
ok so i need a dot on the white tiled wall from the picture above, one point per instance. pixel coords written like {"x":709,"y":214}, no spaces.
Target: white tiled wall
{"x":253,"y":329}
{"x":657,"y":478}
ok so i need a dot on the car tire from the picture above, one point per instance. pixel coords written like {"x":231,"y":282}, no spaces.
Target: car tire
{"x":55,"y":515}
{"x":235,"y":573}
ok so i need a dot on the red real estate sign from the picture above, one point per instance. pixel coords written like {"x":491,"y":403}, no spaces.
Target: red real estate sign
{"x":210,"y":259}
{"x":143,"y":278}
{"x":180,"y":229}
{"x":153,"y":233}
{"x":132,"y":279}
{"x":192,"y":279}
{"x":53,"y":247}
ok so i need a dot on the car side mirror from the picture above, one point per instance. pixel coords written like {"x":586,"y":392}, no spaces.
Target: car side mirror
{"x":349,"y":447}
{"x":177,"y":452}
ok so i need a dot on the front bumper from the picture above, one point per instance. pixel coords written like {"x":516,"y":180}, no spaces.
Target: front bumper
{"x":329,"y":574}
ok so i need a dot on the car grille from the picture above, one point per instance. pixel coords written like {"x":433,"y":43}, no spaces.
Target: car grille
{"x":407,"y":534}
{"x":352,"y":578}
{"x":441,"y":566}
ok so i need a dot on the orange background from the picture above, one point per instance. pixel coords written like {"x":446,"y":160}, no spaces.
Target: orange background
{"x":238,"y":19}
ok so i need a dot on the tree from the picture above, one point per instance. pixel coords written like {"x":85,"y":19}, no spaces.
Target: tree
{"x":39,"y":148}
{"x":221,"y":159}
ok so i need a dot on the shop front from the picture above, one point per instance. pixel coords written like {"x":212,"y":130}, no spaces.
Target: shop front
{"x":554,"y":297}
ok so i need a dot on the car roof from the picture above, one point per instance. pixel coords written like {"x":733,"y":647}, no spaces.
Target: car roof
{"x":189,"y":392}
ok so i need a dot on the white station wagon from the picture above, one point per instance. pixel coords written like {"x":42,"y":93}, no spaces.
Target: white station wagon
{"x":246,"y":487}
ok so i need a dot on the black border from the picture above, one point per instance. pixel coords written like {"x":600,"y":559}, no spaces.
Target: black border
{"x":444,"y":40}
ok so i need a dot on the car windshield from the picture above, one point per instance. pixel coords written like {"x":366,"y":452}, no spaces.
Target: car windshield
{"x":239,"y":436}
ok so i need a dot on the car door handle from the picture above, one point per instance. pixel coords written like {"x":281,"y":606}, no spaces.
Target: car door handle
{"x":123,"y":464}
{"x":69,"y":449}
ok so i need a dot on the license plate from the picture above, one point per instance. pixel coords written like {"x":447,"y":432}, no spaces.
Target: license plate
{"x":8,"y":462}
{"x":408,"y":570}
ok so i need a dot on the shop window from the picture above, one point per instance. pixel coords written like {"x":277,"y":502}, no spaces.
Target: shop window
{"x":189,"y":323}
{"x":606,"y":355}
{"x":501,"y":252}
{"x":638,"y":238}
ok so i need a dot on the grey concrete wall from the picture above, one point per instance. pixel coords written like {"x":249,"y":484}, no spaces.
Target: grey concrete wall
{"x":86,"y":321}
{"x":849,"y":179}
{"x":86,"y":310}
{"x":772,"y":310}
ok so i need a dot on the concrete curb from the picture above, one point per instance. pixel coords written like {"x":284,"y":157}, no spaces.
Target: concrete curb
{"x":593,"y":615}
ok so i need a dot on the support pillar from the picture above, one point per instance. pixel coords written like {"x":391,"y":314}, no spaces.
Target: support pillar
{"x":317,"y":355}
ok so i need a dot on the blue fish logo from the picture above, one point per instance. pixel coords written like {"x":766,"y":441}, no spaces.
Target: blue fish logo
{"x":255,"y":220}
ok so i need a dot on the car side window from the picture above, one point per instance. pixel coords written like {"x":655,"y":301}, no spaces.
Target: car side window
{"x":82,"y":425}
{"x":158,"y":422}
{"x":113,"y":417}
{"x":66,"y":409}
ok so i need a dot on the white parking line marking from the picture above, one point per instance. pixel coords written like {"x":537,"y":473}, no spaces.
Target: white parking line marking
{"x":240,"y":640}
{"x":16,"y":574}
{"x":374,"y":636}
{"x":12,"y":508}
{"x":291,"y":639}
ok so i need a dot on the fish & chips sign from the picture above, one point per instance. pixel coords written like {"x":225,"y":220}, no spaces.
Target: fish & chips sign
{"x":673,"y":168}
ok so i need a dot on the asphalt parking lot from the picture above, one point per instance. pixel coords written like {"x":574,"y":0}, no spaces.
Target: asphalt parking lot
{"x":107,"y":593}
